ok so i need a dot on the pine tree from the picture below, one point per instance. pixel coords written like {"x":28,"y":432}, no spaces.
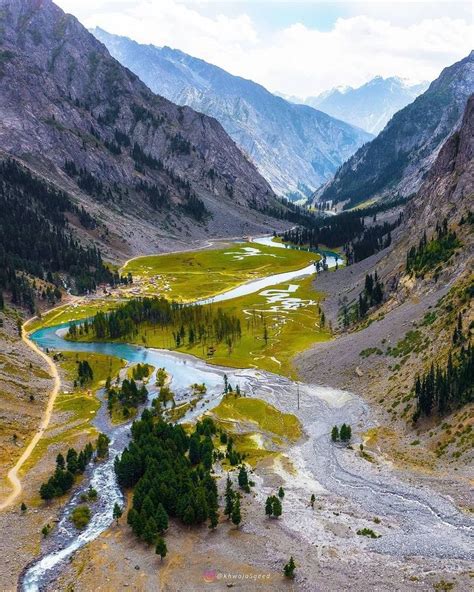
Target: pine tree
{"x":102,"y":446}
{"x":281,"y":493}
{"x":161,"y":518}
{"x":213,"y":517}
{"x":277,"y":507}
{"x":236,"y":516}
{"x":117,"y":513}
{"x":269,"y":506}
{"x":134,"y":520}
{"x":194,"y":450}
{"x":335,"y":434}
{"x":23,"y":507}
{"x":150,"y":531}
{"x":47,"y":491}
{"x":161,"y":548}
{"x":289,"y":568}
{"x":229,"y":497}
{"x":345,"y":432}
{"x":71,"y":460}
{"x":189,"y":516}
{"x":244,"y":479}
{"x":312,"y":500}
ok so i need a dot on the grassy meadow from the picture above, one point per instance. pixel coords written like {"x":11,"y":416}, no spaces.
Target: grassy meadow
{"x":187,"y":277}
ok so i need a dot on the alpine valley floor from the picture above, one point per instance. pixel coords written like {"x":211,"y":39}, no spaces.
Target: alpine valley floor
{"x":421,"y":540}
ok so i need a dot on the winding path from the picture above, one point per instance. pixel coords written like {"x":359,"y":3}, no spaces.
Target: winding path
{"x":12,"y":474}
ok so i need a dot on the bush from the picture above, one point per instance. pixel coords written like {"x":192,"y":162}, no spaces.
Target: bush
{"x":368,"y":532}
{"x":81,"y":516}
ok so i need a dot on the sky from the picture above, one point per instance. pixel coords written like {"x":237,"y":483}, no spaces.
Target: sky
{"x":298,"y":48}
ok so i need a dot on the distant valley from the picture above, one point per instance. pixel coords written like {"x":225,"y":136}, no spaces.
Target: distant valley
{"x":295,"y":147}
{"x":395,"y":163}
{"x":201,"y":382}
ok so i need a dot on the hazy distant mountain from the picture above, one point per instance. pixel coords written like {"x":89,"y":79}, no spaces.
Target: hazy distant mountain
{"x":395,"y":162}
{"x":370,"y":106}
{"x":295,"y":147}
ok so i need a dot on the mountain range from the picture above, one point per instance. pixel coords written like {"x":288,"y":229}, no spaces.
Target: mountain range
{"x":147,"y":170}
{"x":370,"y":106}
{"x":295,"y":147}
{"x":396,"y":161}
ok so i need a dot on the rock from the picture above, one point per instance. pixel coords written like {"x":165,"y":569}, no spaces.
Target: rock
{"x":64,"y":98}
{"x":409,"y":143}
{"x":358,"y":371}
{"x":263,"y":125}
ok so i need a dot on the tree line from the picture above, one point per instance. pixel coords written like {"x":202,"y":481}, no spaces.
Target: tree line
{"x":191,"y":324}
{"x":428,"y":254}
{"x":35,"y":239}
{"x":128,"y":395}
{"x":371,"y":296}
{"x":74,"y":464}
{"x":84,"y":373}
{"x":65,"y":473}
{"x":347,"y":229}
{"x":441,"y":390}
{"x":170,"y":473}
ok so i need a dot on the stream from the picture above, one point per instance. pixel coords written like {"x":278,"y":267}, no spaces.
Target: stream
{"x":441,"y":529}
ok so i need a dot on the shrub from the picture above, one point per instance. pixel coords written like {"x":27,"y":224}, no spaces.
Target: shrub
{"x":81,"y":516}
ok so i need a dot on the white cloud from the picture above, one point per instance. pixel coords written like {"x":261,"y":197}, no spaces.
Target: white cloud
{"x":296,"y":59}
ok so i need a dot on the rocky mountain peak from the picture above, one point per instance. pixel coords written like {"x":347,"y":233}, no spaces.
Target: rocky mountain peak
{"x":295,"y":147}
{"x":395,"y":162}
{"x":76,"y":115}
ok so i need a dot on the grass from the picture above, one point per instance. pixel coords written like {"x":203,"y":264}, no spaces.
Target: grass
{"x":258,"y":429}
{"x":196,"y":275}
{"x":255,"y":411}
{"x":71,"y":312}
{"x":412,"y":342}
{"x":365,"y":353}
{"x":102,"y":366}
{"x":364,"y":204}
{"x":190,"y":276}
{"x":253,"y":453}
{"x":79,"y":407}
{"x":288,"y":331}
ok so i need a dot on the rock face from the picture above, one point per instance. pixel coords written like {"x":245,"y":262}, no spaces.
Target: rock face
{"x":372,"y":105}
{"x":295,"y":147}
{"x":448,"y":190}
{"x":395,"y":162}
{"x":73,"y":114}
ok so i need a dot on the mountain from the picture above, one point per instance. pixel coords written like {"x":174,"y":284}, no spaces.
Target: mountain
{"x":395,"y":162}
{"x":148,"y":171}
{"x":425,"y":319}
{"x":448,"y":189}
{"x":370,"y":106}
{"x":295,"y":147}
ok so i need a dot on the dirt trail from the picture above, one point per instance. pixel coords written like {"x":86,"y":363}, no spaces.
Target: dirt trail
{"x":12,"y":475}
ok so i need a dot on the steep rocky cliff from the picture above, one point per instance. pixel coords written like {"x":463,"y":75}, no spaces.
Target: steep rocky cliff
{"x":448,"y":190}
{"x":395,"y":162}
{"x":139,"y":163}
{"x":423,"y":313}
